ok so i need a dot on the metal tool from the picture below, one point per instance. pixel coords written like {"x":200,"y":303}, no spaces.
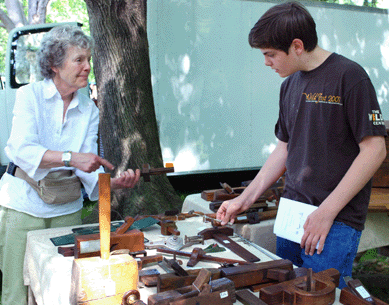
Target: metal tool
{"x":267,"y":253}
{"x":192,"y":240}
{"x":213,"y":220}
{"x":173,"y":242}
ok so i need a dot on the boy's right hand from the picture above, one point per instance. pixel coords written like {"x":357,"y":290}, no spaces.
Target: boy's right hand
{"x":228,"y":211}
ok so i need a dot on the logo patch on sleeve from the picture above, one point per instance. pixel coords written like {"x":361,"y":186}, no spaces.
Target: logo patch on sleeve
{"x":376,"y":118}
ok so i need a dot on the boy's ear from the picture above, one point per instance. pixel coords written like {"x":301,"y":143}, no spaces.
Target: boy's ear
{"x":298,"y":46}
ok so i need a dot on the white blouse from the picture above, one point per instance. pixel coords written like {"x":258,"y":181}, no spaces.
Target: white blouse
{"x":37,"y":127}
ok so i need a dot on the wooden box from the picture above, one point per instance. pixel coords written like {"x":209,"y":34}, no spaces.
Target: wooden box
{"x":98,"y":281}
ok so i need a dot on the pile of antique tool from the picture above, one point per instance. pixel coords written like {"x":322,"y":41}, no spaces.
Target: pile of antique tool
{"x":259,"y":211}
{"x":116,"y":277}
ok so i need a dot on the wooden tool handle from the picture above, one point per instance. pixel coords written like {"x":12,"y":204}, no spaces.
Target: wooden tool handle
{"x":132,"y":297}
{"x":235,"y":247}
{"x":204,"y":257}
{"x":147,"y":170}
{"x":128,"y":222}
{"x":105,"y":214}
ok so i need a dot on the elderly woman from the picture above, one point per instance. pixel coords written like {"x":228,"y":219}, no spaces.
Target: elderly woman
{"x":54,"y":132}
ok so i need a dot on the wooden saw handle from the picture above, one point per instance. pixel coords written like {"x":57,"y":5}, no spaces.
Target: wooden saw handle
{"x":146,"y":171}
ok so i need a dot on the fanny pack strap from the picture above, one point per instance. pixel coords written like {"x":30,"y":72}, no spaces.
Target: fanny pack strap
{"x":19,"y":173}
{"x":53,"y":188}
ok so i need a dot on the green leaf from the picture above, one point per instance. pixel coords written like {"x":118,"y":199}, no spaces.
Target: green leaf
{"x":369,"y":255}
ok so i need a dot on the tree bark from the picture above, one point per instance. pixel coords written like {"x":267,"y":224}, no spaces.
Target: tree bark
{"x":37,"y":11}
{"x":15,"y":13}
{"x":15,"y":18}
{"x":6,"y":22}
{"x":128,"y":126}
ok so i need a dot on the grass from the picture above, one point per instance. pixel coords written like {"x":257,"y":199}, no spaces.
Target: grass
{"x":372,"y":269}
{"x":87,"y":209}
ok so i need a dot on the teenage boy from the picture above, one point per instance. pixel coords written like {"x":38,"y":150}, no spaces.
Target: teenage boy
{"x":330,"y":140}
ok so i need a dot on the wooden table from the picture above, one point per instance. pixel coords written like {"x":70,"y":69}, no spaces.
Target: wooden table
{"x":379,"y":200}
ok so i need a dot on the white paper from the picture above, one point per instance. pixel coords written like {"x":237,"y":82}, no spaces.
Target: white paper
{"x":291,"y":216}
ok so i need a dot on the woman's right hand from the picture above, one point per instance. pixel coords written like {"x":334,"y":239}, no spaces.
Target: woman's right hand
{"x":88,"y":162}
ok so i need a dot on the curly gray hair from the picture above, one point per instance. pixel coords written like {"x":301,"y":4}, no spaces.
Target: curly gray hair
{"x":54,"y":45}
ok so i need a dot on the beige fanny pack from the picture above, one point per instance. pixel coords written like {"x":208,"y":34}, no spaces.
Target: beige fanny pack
{"x":57,"y":187}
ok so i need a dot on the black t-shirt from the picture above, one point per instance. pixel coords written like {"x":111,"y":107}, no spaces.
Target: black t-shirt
{"x":324,"y":114}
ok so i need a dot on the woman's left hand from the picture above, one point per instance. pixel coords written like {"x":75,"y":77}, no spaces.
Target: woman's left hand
{"x":127,"y":179}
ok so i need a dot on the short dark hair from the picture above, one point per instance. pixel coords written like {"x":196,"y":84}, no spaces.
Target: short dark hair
{"x":281,"y":24}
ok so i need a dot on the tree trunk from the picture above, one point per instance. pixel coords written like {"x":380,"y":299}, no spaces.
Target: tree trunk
{"x":128,"y":126}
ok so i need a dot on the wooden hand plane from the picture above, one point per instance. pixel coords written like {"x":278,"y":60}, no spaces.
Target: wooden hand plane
{"x":220,"y":291}
{"x":89,"y":245}
{"x":349,"y":298}
{"x":242,"y":276}
{"x":313,"y":289}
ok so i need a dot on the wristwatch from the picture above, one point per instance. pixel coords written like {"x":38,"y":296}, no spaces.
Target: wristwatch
{"x":66,"y":157}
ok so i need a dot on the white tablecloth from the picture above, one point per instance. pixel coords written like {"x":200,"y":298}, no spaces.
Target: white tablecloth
{"x":46,"y":272}
{"x":375,"y":234}
{"x":260,"y":234}
{"x":49,"y":274}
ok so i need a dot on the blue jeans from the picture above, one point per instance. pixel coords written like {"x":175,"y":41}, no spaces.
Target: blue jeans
{"x":339,"y":251}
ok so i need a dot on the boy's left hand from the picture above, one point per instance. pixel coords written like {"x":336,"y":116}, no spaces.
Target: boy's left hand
{"x":316,"y":229}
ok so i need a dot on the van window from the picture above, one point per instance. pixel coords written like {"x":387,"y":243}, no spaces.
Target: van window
{"x":24,"y":68}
